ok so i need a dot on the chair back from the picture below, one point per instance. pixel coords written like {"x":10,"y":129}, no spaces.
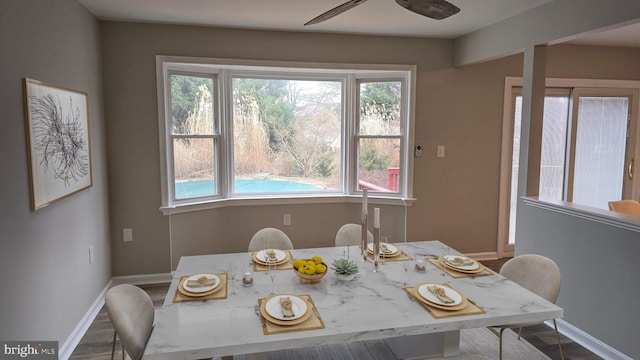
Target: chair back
{"x":630,"y":207}
{"x":131,"y":311}
{"x":536,"y":273}
{"x":351,"y":234}
{"x":275,"y":238}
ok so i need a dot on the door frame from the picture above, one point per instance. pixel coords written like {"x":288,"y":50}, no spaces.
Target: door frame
{"x":504,"y":249}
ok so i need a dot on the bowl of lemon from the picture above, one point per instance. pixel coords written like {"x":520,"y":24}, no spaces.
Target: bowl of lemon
{"x":310,"y":271}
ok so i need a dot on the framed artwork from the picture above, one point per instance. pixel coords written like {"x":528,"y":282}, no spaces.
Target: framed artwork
{"x":57,"y":127}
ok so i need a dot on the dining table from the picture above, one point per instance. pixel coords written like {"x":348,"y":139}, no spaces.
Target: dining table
{"x":378,"y":303}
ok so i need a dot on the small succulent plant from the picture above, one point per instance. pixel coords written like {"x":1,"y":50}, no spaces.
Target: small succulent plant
{"x":344,"y":266}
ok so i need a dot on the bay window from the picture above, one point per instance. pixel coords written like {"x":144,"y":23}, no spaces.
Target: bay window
{"x":252,"y":130}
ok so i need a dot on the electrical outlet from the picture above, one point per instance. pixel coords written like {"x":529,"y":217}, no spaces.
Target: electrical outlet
{"x":440,"y":152}
{"x":127,"y":234}
{"x":91,"y":258}
{"x":286,"y":219}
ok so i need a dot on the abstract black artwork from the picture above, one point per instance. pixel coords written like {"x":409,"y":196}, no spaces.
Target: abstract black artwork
{"x":57,"y":128}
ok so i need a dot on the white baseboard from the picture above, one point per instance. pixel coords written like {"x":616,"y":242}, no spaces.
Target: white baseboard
{"x":73,"y":340}
{"x":145,"y":279}
{"x":587,"y":341}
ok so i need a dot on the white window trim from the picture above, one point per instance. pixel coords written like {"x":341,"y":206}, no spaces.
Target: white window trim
{"x":347,"y":195}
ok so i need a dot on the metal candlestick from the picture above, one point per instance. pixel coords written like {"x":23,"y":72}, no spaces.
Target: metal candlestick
{"x":364,"y":241}
{"x":376,"y":249}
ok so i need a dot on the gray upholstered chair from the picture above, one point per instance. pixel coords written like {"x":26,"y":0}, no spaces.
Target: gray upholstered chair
{"x":539,"y":275}
{"x":131,"y":311}
{"x":275,"y":238}
{"x":630,"y":207}
{"x":350,"y":234}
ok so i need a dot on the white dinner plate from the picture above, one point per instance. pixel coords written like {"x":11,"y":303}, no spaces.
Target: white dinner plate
{"x":201,"y":289}
{"x":449,"y":258}
{"x":274,"y":308}
{"x":392,"y":249}
{"x":423,"y":290}
{"x":262,"y":256}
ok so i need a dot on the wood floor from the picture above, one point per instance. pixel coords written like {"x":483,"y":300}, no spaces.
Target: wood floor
{"x":96,"y":343}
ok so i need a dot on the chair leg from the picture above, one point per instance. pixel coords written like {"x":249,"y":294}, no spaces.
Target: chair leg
{"x":113,"y":346}
{"x":555,"y":326}
{"x":501,"y":331}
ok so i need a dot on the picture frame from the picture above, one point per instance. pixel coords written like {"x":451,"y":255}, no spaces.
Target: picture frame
{"x":58,"y":146}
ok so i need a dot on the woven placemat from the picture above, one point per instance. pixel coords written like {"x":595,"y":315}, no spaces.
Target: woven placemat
{"x":314,"y":321}
{"x":457,"y":274}
{"x":283,"y":266}
{"x":470,"y":309}
{"x":220,"y":294}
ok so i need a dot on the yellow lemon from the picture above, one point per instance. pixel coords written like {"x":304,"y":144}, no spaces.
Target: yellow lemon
{"x":317,"y":259}
{"x":299,"y":263}
{"x":302,"y":270}
{"x":310,"y":269}
{"x":311,"y":262}
{"x":320,"y":269}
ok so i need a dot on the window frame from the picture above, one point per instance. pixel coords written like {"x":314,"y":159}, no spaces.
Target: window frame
{"x":357,"y":135}
{"x":225,"y":70}
{"x":216,"y":137}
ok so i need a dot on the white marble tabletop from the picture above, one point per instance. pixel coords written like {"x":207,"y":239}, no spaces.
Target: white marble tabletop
{"x":372,"y":306}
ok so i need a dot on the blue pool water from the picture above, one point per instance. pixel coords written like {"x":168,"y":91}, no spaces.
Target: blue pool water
{"x":188,"y":189}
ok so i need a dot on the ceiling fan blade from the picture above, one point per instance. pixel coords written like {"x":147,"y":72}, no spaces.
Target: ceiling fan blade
{"x":435,"y":9}
{"x":335,"y":11}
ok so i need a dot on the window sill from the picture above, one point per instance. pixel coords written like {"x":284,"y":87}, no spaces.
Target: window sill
{"x":287,"y":200}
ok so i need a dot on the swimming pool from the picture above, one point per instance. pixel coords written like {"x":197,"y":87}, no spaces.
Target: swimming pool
{"x":189,"y":189}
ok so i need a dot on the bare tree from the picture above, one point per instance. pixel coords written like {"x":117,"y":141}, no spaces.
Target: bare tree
{"x":311,"y":143}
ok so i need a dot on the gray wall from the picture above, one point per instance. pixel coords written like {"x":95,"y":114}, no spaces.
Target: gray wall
{"x":47,"y":282}
{"x":460,"y":108}
{"x":207,"y":232}
{"x":600,"y":284}
{"x":131,"y":109}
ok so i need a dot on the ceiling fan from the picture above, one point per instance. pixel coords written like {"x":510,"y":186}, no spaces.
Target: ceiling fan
{"x":435,"y":9}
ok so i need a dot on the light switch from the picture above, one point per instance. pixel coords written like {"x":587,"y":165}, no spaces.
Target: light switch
{"x":127,"y":234}
{"x":440,"y":152}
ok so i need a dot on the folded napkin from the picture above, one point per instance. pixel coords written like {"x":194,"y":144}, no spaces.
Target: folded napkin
{"x":270,"y":255}
{"x":201,"y":281}
{"x":287,"y":307}
{"x":460,"y":261}
{"x":440,"y":294}
{"x":384,"y":249}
